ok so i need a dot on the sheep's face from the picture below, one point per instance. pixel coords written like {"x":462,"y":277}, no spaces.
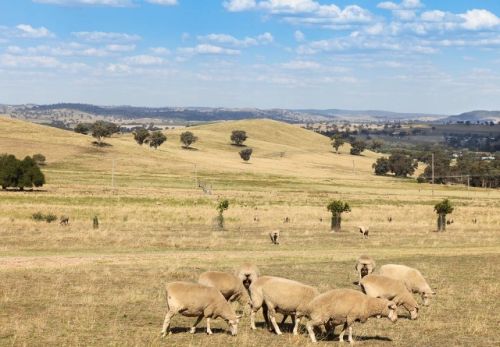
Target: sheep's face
{"x":426,"y":298}
{"x":414,"y":313}
{"x":233,"y":326}
{"x":247,"y":281}
{"x":364,"y":271}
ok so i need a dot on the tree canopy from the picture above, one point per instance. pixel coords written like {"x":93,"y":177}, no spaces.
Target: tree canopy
{"x":188,"y":138}
{"x":238,"y":137}
{"x":156,"y":139}
{"x":20,"y":174}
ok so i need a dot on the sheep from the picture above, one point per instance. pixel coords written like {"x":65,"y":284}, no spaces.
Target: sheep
{"x":345,"y":306}
{"x":286,"y":220}
{"x":229,"y":285}
{"x":378,"y":286}
{"x":197,"y":300}
{"x":364,"y":231}
{"x":389,"y":219}
{"x":275,"y":294}
{"x":64,"y":220}
{"x":364,"y":266}
{"x":412,"y":278}
{"x":275,"y":237}
{"x":247,"y":273}
{"x":449,"y":221}
{"x":474,"y":220}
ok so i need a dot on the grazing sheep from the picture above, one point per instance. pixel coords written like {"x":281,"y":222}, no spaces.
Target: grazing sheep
{"x":474,"y":220}
{"x":64,"y":220}
{"x":197,"y":300}
{"x":412,"y":278}
{"x":229,"y":285}
{"x":364,"y":266}
{"x":247,"y":273}
{"x":378,"y":286}
{"x":275,"y":237}
{"x":364,"y":231}
{"x":286,"y":220}
{"x":449,"y":221}
{"x":346,"y":306}
{"x":256,"y":219}
{"x":276,"y":294}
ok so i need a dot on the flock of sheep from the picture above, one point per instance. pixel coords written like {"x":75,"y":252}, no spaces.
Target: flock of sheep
{"x":381,"y":294}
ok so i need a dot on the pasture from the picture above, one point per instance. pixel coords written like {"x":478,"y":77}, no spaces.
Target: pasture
{"x":78,"y":286}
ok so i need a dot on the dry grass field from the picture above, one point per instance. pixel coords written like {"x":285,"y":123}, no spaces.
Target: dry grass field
{"x":76,"y":286}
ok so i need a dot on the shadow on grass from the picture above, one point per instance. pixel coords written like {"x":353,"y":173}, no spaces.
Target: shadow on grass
{"x":184,"y":330}
{"x":335,"y":337}
{"x":16,"y":190}
{"x":101,"y":144}
{"x":189,"y":148}
{"x":236,"y":145}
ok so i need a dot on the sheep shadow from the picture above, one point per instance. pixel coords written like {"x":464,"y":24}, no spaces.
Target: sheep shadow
{"x":335,"y":337}
{"x":199,"y":330}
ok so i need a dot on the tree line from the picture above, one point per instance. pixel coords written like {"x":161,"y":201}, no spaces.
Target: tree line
{"x":20,"y":174}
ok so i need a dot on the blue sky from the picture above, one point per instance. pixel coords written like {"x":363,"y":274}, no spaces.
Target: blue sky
{"x":408,"y":55}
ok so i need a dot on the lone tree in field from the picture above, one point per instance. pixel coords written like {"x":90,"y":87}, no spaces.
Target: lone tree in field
{"x":337,"y":207}
{"x":188,"y":138}
{"x":357,"y":147}
{"x":246,"y":153}
{"x":141,"y":135}
{"x":337,"y":142}
{"x":102,"y":129}
{"x":442,"y":209}
{"x":156,"y":139}
{"x":238,"y":137}
{"x":221,"y":207}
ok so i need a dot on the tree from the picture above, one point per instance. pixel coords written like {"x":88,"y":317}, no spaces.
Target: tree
{"x":441,"y":167}
{"x":39,"y":159}
{"x":102,"y":129}
{"x":337,"y":142}
{"x":442,"y":209}
{"x":402,"y":165}
{"x":221,"y":207}
{"x":376,"y":145}
{"x":337,"y":207}
{"x":357,"y":147}
{"x":83,"y":128}
{"x":20,"y":174}
{"x":381,"y":166}
{"x":246,"y":153}
{"x":156,"y":139}
{"x":238,"y":137}
{"x":188,"y":138}
{"x":9,"y":171}
{"x":141,"y":135}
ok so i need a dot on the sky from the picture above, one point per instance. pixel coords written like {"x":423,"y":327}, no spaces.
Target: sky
{"x":408,"y":56}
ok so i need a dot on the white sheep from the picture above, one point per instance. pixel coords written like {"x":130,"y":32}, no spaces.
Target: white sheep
{"x":378,"y":286}
{"x":275,"y":237}
{"x":364,"y":231}
{"x":412,"y":278}
{"x":247,"y":273}
{"x":230,"y":286}
{"x":344,"y":307}
{"x":276,"y":294}
{"x":364,"y":266}
{"x":197,"y":300}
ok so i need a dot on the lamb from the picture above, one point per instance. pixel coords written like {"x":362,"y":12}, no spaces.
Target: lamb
{"x":378,"y":286}
{"x":229,"y":285}
{"x":276,"y":294}
{"x":412,"y":278}
{"x":197,"y":300}
{"x":247,"y":273}
{"x":364,"y":231}
{"x":346,"y":306}
{"x":275,"y":237}
{"x":364,"y":266}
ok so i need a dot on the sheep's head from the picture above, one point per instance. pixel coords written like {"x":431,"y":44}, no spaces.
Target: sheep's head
{"x":426,"y":297}
{"x":392,"y":313}
{"x":414,"y":313}
{"x":233,"y":325}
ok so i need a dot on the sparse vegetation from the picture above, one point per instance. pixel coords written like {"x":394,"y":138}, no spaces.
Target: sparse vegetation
{"x":188,"y":138}
{"x":337,"y":142}
{"x":39,"y":217}
{"x":141,"y":136}
{"x":238,"y":137}
{"x":156,"y":139}
{"x":357,"y":147}
{"x":246,"y":153}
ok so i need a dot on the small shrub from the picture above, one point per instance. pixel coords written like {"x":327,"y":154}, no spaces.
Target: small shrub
{"x":221,"y":207}
{"x":246,"y":154}
{"x":49,"y":218}
{"x":238,"y":137}
{"x":38,"y":216}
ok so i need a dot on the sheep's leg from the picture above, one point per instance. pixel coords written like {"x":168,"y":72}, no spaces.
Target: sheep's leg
{"x":330,"y":328}
{"x":296,"y":325}
{"x":256,"y":303}
{"x":341,"y":336}
{"x":209,"y":331}
{"x":272,"y":316}
{"x":310,"y":328}
{"x":265,"y":313}
{"x":284,"y":319}
{"x":166,"y":322}
{"x":351,"y":341}
{"x":198,"y":320}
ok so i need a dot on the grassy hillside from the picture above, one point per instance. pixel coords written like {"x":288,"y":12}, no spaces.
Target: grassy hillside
{"x":75,"y":285}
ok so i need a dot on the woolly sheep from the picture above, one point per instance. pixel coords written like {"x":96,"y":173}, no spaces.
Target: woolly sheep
{"x":364,"y":266}
{"x":197,"y":300}
{"x":378,"y":286}
{"x":276,"y":294}
{"x":364,"y":231}
{"x":229,"y":285}
{"x":412,"y":278}
{"x":247,"y":273}
{"x":346,"y":306}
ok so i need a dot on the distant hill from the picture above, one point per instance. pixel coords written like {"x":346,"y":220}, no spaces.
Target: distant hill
{"x":474,"y":116}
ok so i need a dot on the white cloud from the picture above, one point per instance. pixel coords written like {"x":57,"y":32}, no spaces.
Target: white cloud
{"x":299,"y":36}
{"x":479,"y":19}
{"x":120,"y":48}
{"x":404,"y":5}
{"x":100,"y":36}
{"x":240,"y":5}
{"x":160,"y":50}
{"x":112,"y":3}
{"x":118,"y":68}
{"x":144,"y":59}
{"x":209,"y":49}
{"x":225,"y":39}
{"x":26,"y":30}
{"x":16,"y":61}
{"x":301,"y":65}
{"x":163,"y":2}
